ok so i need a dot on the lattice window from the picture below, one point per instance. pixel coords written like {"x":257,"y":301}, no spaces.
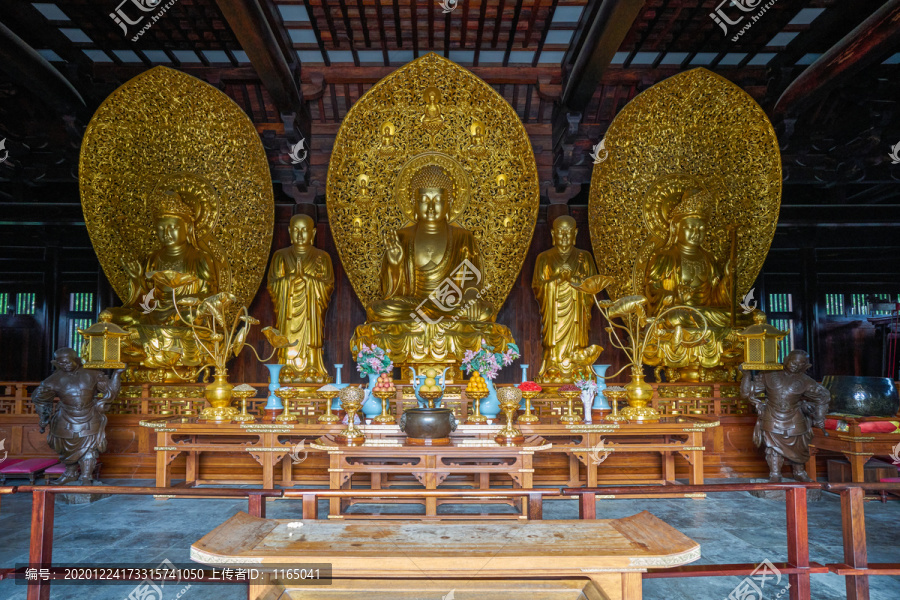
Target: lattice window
{"x":780,"y":312}
{"x":26,"y":303}
{"x":787,"y":342}
{"x":4,"y":303}
{"x":834,"y":305}
{"x":80,"y":316}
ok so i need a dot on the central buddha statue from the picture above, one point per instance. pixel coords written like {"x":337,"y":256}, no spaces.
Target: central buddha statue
{"x":431,"y":269}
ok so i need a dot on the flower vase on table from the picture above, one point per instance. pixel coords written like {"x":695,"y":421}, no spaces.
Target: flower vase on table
{"x":273,"y":406}
{"x":487,"y":364}
{"x":372,"y":361}
{"x":601,"y":406}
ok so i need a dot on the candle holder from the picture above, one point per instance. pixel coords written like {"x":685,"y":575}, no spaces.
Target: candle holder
{"x":570,"y":418}
{"x":351,"y":401}
{"x":615,"y":394}
{"x":385,"y":418}
{"x":528,"y":417}
{"x":509,"y":398}
{"x":244,"y":394}
{"x":286,"y":394}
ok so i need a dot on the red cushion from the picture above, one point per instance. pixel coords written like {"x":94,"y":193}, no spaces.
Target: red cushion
{"x":878,"y":427}
{"x":58,"y":468}
{"x":29,"y":466}
{"x":890,"y":480}
{"x":9,"y":461}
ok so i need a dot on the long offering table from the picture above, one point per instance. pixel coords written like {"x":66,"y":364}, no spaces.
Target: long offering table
{"x":277,"y":446}
{"x":611,"y":553}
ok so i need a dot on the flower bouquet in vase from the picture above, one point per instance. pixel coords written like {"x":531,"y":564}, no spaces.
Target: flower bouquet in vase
{"x":487,"y":364}
{"x":372,"y":361}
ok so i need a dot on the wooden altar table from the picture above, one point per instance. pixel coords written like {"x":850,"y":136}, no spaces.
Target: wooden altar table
{"x":589,"y":445}
{"x":265,"y":442}
{"x":612,"y":553}
{"x":592,"y":444}
{"x":430,"y":465}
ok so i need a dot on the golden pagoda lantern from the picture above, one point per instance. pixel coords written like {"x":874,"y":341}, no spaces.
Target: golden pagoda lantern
{"x":104,"y":345}
{"x":761,"y":345}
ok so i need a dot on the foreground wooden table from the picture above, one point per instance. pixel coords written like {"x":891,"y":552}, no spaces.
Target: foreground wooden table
{"x":612,"y":553}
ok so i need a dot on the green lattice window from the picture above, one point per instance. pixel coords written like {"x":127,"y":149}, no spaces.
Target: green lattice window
{"x":81,"y":316}
{"x":834,"y":305}
{"x":4,"y":303}
{"x":786,"y":344}
{"x":26,"y":303}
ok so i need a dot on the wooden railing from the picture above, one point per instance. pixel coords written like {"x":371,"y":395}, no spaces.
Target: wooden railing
{"x":798,"y":567}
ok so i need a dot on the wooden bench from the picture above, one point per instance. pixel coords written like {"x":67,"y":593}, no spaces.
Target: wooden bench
{"x":30,"y":467}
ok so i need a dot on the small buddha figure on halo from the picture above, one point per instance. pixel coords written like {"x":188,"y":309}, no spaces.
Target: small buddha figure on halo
{"x":387,"y":147}
{"x":300,"y":283}
{"x":431,"y":268}
{"x":432,"y":119}
{"x":565,"y":311}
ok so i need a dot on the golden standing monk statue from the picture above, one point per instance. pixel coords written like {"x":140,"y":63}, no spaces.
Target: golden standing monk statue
{"x":301,"y":280}
{"x":565,"y":311}
{"x":431,"y":269}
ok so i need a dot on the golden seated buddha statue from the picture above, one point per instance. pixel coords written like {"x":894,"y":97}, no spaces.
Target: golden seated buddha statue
{"x":436,"y":240}
{"x":431,"y":282}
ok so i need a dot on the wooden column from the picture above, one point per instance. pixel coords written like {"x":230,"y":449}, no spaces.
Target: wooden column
{"x":40,"y":553}
{"x":798,"y":541}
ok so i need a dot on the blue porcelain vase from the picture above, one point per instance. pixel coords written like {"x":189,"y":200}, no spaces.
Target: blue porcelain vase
{"x":524,"y":379}
{"x":273,"y":402}
{"x":600,"y":401}
{"x":371,"y":405}
{"x":336,"y":401}
{"x":490,"y":405}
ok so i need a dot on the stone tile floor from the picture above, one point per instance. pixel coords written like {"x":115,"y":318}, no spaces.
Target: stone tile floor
{"x":730,"y":527}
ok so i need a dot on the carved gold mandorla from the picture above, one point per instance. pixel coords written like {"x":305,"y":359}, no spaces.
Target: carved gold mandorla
{"x":432,"y":112}
{"x":167,"y":143}
{"x":695,"y":132}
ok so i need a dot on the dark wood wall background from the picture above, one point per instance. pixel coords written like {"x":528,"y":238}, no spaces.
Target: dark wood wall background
{"x":45,"y":248}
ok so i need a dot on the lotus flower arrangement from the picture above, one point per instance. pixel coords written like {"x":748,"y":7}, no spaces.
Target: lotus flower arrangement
{"x":631,"y":335}
{"x":221,"y":336}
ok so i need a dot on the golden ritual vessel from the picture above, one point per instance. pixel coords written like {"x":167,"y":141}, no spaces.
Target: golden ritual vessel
{"x":433,"y":217}
{"x":177,"y":199}
{"x":683,"y":212}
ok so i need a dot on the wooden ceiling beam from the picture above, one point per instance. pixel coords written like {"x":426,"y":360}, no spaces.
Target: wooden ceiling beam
{"x":255,"y":35}
{"x":25,"y":67}
{"x":867,"y":44}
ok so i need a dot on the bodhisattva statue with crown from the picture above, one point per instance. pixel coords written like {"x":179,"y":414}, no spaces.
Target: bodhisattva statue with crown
{"x":681,"y":272}
{"x":181,"y":267}
{"x":682,"y":212}
{"x":177,"y":199}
